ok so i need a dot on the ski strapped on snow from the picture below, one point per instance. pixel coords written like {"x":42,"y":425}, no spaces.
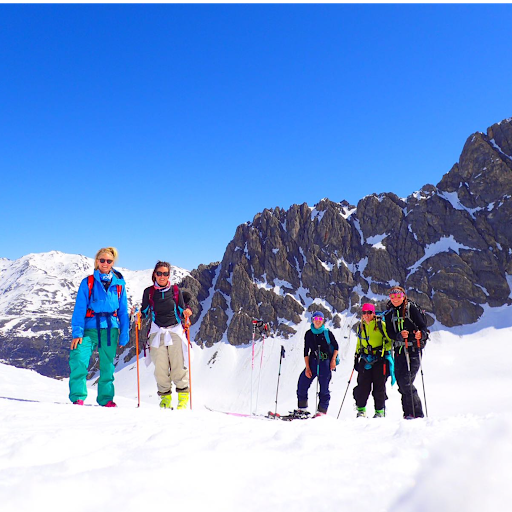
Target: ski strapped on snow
{"x":292,"y":415}
{"x":297,"y":414}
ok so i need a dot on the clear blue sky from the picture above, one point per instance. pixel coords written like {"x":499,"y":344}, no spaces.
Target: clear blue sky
{"x":160,"y":128}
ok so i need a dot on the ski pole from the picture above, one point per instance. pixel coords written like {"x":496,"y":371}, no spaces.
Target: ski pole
{"x":137,"y":329}
{"x":422,"y":378}
{"x":264,"y":334}
{"x":254,"y":324}
{"x":410,"y":376}
{"x":186,"y":327}
{"x":318,"y":379}
{"x":279,"y":374}
{"x":348,"y":385}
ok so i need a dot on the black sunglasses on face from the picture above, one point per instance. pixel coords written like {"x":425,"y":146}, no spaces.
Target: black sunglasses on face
{"x":367,"y":312}
{"x":103,"y":260}
{"x":160,"y":274}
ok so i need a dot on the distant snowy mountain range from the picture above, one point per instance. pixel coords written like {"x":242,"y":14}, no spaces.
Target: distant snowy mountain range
{"x":37,"y":295}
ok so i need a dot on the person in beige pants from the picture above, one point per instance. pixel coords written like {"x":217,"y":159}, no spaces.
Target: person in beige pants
{"x":166,"y":306}
{"x":170,"y":364}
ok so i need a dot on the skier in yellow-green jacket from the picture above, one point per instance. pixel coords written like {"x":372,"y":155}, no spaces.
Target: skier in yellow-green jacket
{"x":373,"y":361}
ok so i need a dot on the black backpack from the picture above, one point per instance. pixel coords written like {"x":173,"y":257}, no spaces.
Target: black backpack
{"x":420,"y":310}
{"x":422,"y":313}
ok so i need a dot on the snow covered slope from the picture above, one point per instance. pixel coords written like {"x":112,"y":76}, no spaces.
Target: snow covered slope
{"x":130,"y":459}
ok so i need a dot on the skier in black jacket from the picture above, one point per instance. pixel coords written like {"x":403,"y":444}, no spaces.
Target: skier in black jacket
{"x":320,"y":358}
{"x":165,"y":304}
{"x":405,"y":325}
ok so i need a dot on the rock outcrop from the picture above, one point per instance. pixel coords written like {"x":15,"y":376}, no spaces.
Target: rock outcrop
{"x":450,"y":245}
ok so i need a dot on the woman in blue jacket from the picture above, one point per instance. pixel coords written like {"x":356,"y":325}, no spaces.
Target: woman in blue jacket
{"x":100,"y":319}
{"x":320,"y":352}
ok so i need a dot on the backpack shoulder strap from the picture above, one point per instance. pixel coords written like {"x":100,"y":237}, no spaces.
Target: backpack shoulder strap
{"x":379,"y":325}
{"x":151,"y":300}
{"x":331,"y":348}
{"x":177,"y":309}
{"x":408,"y":310}
{"x":90,"y":283}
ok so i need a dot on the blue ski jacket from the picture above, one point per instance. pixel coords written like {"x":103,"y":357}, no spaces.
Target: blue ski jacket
{"x":102,"y":301}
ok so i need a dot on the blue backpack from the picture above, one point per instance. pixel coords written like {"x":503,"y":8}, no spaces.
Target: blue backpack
{"x":326,"y":333}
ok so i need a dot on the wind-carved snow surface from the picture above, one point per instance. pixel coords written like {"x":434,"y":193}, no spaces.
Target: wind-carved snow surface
{"x":509,"y":281}
{"x":360,"y":231}
{"x":445,"y":244}
{"x":376,"y":241}
{"x":453,"y":199}
{"x":495,"y":146}
{"x":124,"y":459}
{"x":317,"y":214}
{"x":347,"y":212}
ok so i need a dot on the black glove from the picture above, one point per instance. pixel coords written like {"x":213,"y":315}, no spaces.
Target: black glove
{"x":399,"y":340}
{"x":423,"y":340}
{"x":356,"y":362}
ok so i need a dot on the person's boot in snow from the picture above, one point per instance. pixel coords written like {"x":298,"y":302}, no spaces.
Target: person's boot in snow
{"x":183,"y":397}
{"x":165,"y":402}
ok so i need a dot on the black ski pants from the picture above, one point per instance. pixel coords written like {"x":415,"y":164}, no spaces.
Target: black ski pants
{"x":323,"y":381}
{"x":372,"y":380}
{"x":405,"y":381}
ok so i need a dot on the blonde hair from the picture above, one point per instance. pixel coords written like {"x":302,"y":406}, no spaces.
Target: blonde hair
{"x":105,"y":250}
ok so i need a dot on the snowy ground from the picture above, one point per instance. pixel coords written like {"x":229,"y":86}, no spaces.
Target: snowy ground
{"x":64,"y":457}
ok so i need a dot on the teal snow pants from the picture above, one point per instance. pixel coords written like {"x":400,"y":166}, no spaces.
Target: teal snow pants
{"x":79,"y":365}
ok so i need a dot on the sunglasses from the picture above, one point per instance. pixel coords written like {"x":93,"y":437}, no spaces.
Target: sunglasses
{"x":103,"y":260}
{"x":396,"y":295}
{"x":160,"y":274}
{"x":368,"y":312}
{"x":318,"y":318}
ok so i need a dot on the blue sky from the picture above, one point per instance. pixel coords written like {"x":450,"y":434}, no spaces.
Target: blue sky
{"x":160,"y":128}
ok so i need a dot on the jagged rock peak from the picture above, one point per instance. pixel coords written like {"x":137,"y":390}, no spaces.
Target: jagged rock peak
{"x":449,"y":244}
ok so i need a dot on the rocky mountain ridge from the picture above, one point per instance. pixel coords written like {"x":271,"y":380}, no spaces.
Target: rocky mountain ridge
{"x":449,"y":245}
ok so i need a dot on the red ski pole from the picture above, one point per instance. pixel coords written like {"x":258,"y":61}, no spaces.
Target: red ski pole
{"x":137,"y":329}
{"x":186,"y":327}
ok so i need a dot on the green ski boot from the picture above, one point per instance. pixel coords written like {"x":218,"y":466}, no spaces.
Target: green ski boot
{"x":183,"y":397}
{"x":165,"y":402}
{"x":361,"y":412}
